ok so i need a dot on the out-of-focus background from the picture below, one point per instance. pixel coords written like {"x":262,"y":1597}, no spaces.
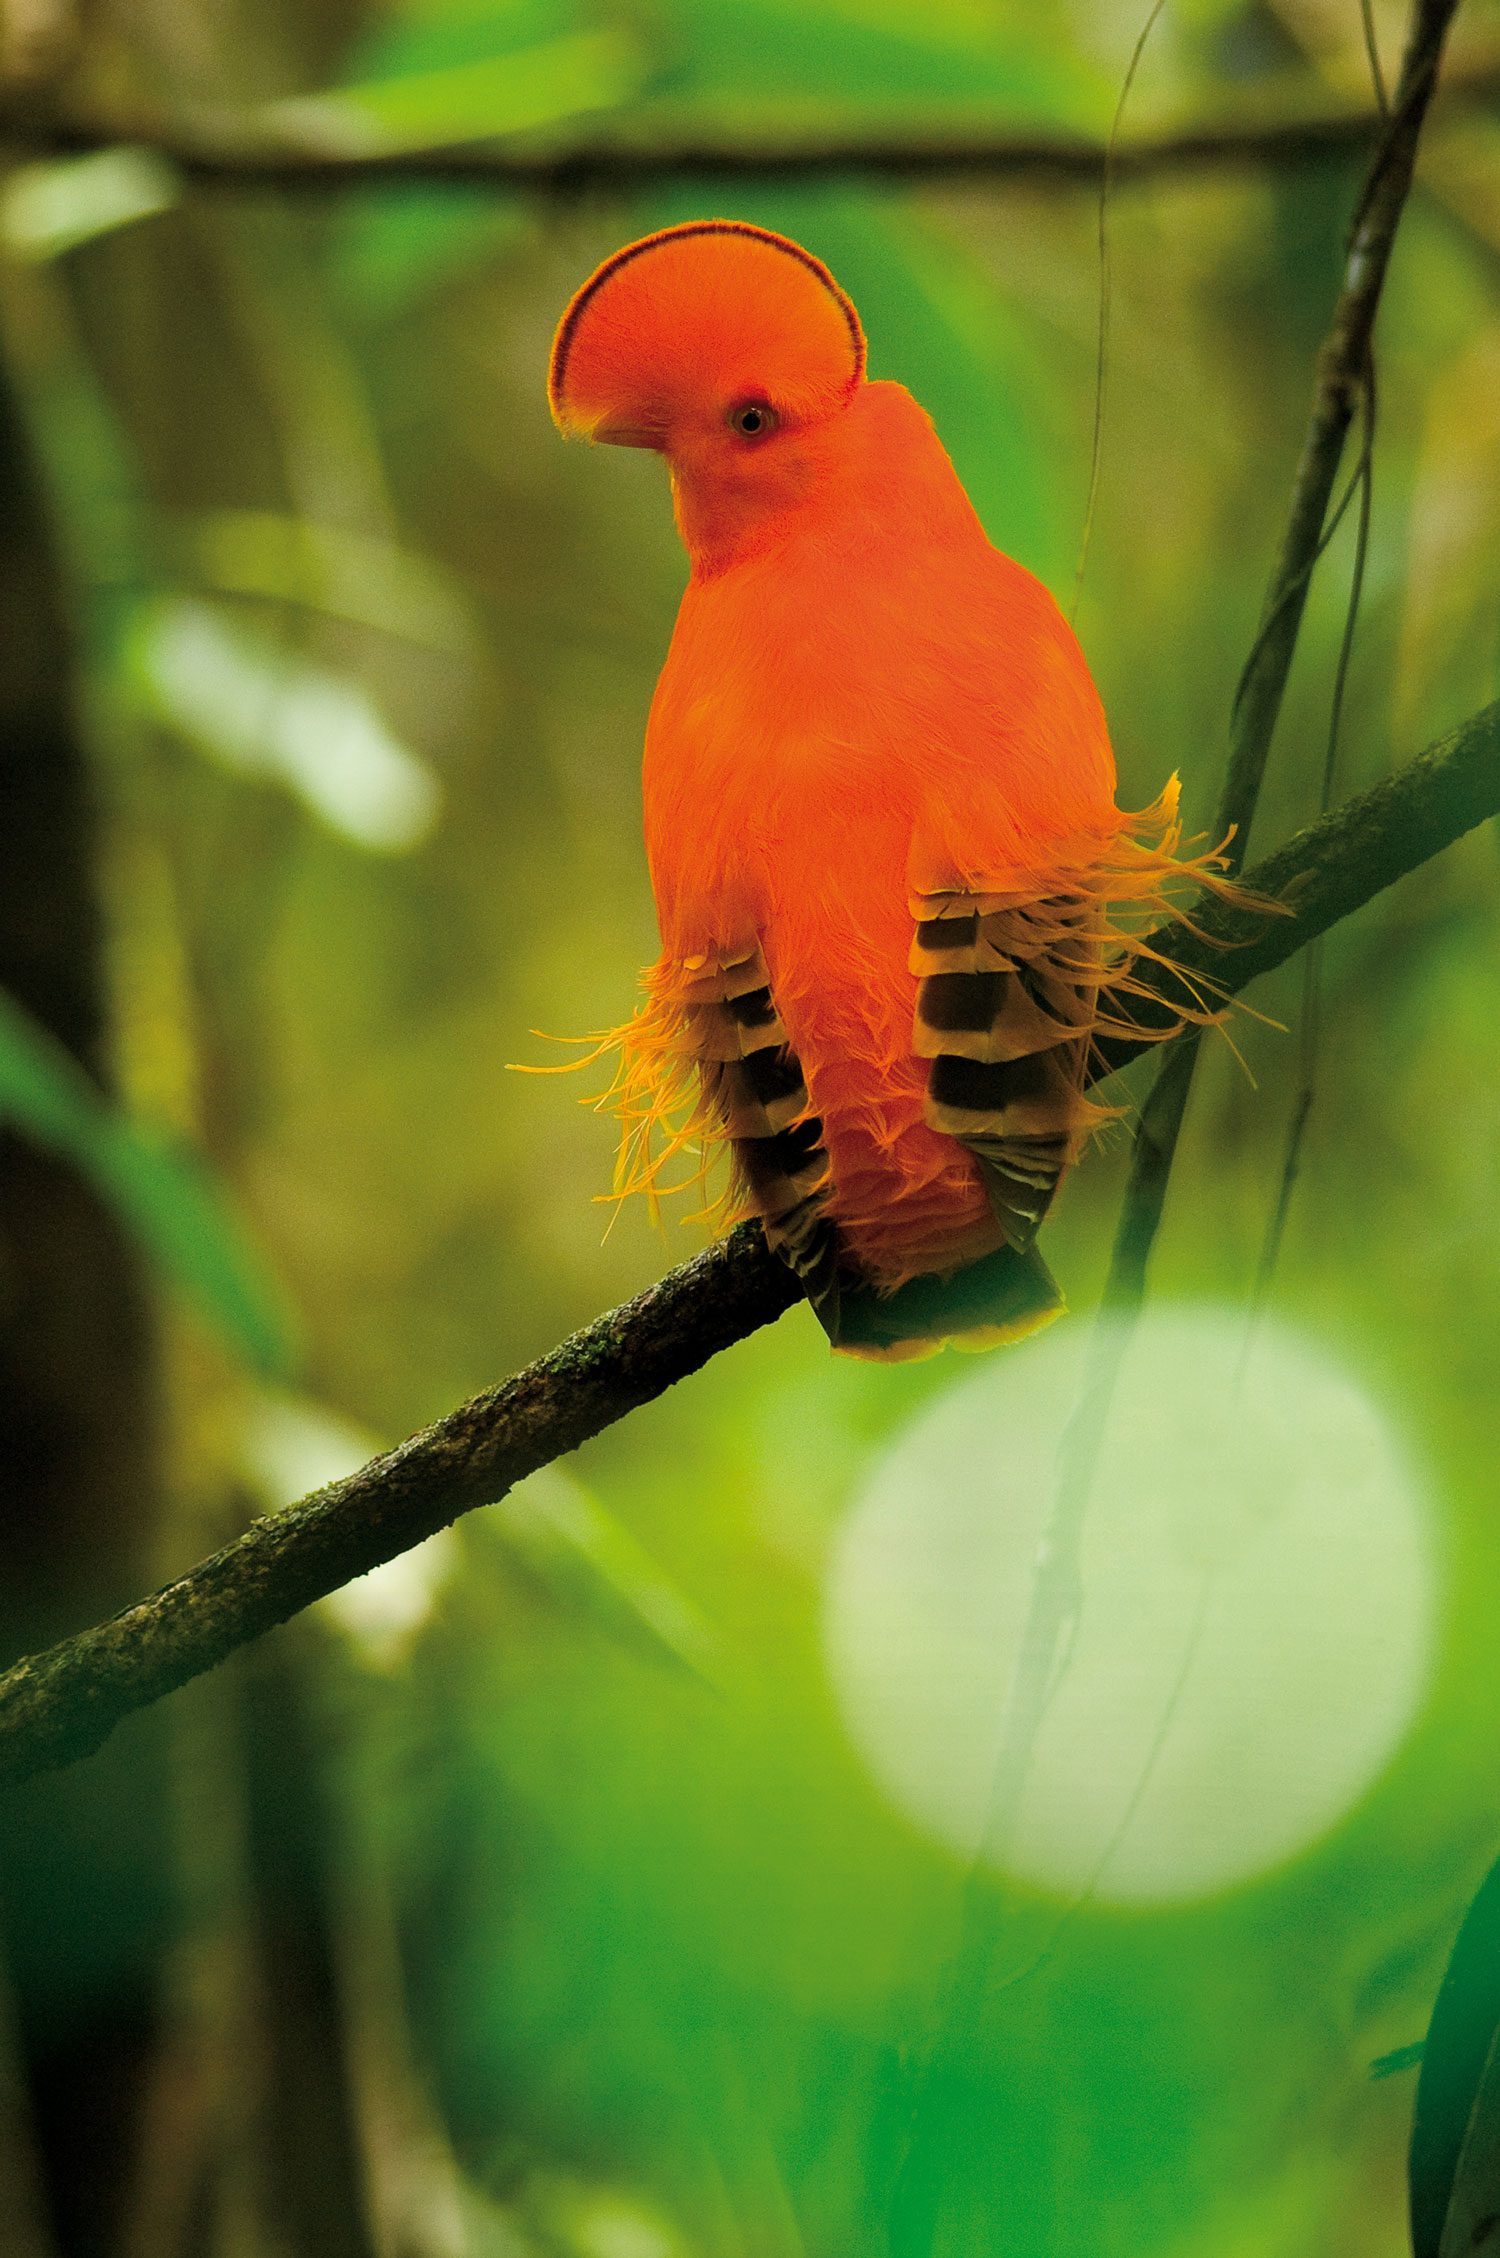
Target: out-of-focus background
{"x":588,"y":1885}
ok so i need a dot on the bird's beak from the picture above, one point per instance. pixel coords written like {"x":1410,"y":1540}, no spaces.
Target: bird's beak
{"x":628,"y":435}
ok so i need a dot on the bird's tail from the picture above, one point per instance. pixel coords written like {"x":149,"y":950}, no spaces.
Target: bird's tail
{"x":705,"y":1073}
{"x":1002,"y":1297}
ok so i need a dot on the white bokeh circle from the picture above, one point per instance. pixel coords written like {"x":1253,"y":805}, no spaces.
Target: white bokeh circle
{"x":1257,"y":1617}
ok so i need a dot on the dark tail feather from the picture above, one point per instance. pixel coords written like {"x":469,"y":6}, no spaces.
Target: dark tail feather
{"x":1002,"y":1297}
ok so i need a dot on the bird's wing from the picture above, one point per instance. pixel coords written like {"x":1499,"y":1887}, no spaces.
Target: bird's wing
{"x":1007,"y":993}
{"x":753,"y":1080}
{"x":1024,"y":952}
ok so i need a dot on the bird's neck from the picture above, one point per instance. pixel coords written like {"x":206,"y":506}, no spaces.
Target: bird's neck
{"x":877,"y":467}
{"x":727,"y":520}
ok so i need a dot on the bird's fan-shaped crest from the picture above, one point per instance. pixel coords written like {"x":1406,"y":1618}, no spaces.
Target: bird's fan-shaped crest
{"x":701,"y":316}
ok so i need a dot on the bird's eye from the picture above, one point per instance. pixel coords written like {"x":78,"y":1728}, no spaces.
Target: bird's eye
{"x":752,"y":419}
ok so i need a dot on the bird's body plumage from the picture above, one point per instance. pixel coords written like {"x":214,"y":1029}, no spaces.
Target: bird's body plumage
{"x":879,"y":804}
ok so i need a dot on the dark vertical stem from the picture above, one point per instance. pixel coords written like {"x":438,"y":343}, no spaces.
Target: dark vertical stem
{"x":1342,"y":376}
{"x":1342,"y":364}
{"x":82,"y":1899}
{"x":307,"y":2149}
{"x":1310,"y":1030}
{"x":1101,"y":361}
{"x":75,"y":1357}
{"x":1056,"y":1598}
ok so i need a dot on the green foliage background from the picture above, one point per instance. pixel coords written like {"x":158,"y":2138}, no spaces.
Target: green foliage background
{"x":665,"y":1948}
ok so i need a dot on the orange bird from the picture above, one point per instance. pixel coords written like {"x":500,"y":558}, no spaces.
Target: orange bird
{"x":879,"y":802}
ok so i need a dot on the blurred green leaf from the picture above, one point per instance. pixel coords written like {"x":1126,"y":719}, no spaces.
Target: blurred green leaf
{"x":848,"y":52}
{"x":842,"y":68}
{"x":263,"y":711}
{"x":325,"y":568}
{"x":588,"y":1560}
{"x":1453,"y":2147}
{"x":90,"y":462}
{"x":46,"y":209}
{"x":163,"y":1195}
{"x":474,"y":101}
{"x":393,"y":245}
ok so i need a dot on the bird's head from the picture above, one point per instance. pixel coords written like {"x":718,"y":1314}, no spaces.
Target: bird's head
{"x":726,"y":348}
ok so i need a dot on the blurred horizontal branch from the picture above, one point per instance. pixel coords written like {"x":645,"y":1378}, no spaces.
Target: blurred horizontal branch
{"x":245,"y":151}
{"x":61,"y":1705}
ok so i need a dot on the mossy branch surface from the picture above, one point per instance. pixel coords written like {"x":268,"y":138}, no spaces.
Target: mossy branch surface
{"x":58,"y":1706}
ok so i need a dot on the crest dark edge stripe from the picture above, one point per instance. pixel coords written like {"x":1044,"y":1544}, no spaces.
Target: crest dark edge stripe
{"x":563,"y":344}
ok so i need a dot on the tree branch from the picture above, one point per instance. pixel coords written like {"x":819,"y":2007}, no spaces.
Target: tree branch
{"x":58,"y":1706}
{"x":1322,"y":875}
{"x":241,"y":153}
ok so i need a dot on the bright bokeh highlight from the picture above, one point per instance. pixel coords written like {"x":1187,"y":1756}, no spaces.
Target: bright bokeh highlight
{"x":1258,"y":1602}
